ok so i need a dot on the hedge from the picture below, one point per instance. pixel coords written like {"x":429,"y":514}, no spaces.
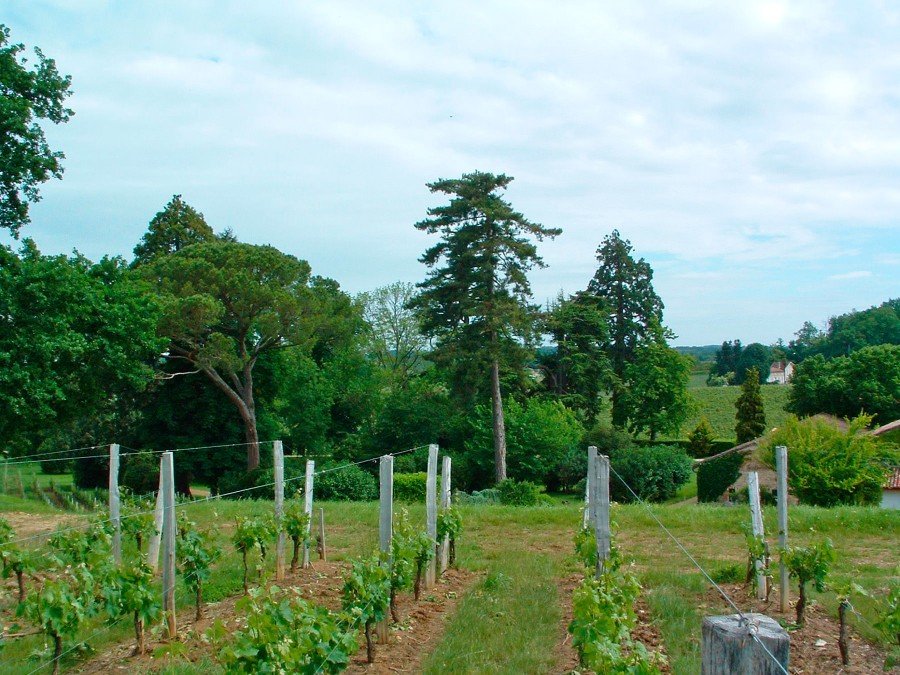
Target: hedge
{"x":410,"y":487}
{"x":715,"y":476}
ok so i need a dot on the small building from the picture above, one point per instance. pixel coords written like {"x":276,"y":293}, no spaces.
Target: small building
{"x":890,"y":493}
{"x":780,"y":372}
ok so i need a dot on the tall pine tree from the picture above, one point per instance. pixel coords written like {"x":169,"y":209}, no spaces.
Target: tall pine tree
{"x":634,"y":310}
{"x":475,"y":300}
{"x":750,"y":414}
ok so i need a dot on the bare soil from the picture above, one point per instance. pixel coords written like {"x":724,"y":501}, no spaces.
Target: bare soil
{"x":814,"y":647}
{"x":32,"y":524}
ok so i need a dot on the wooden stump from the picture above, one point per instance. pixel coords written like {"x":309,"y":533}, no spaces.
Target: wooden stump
{"x":728,"y":647}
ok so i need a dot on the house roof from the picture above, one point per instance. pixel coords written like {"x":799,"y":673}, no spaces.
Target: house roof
{"x":893,"y":481}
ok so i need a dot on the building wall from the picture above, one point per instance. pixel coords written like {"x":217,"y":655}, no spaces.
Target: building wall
{"x":890,"y":499}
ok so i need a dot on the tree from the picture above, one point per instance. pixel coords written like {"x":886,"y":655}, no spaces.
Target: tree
{"x":756,"y":356}
{"x":654,"y":397}
{"x":750,"y":413}
{"x":27,"y":95}
{"x":394,"y":334}
{"x":578,"y":370}
{"x":475,"y":299}
{"x":806,"y":342}
{"x":76,"y":338}
{"x":866,"y":380}
{"x":634,"y":310}
{"x":700,"y":440}
{"x":727,"y":358}
{"x":227,"y":304}
{"x":176,"y":226}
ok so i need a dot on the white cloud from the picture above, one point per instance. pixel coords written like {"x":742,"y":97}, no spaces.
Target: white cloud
{"x":846,"y":276}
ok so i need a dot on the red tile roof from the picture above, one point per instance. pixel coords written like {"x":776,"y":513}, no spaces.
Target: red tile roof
{"x":893,"y":481}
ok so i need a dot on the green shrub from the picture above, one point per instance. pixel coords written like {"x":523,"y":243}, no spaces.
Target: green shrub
{"x":730,"y":573}
{"x":716,"y":475}
{"x":830,"y":466}
{"x":700,"y":440}
{"x":608,"y":440}
{"x":808,"y":564}
{"x":488,"y":496}
{"x":140,"y":473}
{"x":519,"y":493}
{"x":410,"y":487}
{"x":539,"y":434}
{"x":56,"y":467}
{"x":241,"y":481}
{"x":349,"y":484}
{"x":655,"y":473}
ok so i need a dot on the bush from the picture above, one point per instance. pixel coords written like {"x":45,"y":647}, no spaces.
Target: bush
{"x":830,"y":466}
{"x":519,"y":493}
{"x":608,"y":440}
{"x":488,"y":496}
{"x":716,"y":475}
{"x":410,"y":487}
{"x":700,"y":440}
{"x":655,"y":473}
{"x":244,"y":480}
{"x":348,"y":484}
{"x":140,"y":473}
{"x":539,"y":434}
{"x":55,"y":467}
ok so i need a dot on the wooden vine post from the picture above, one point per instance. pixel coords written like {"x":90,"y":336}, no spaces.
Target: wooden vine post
{"x":278,"y":459}
{"x":156,"y":537}
{"x":167,"y":469}
{"x":781,"y":466}
{"x":385,"y":527}
{"x":756,"y":521}
{"x":727,"y":646}
{"x":115,"y":516}
{"x":601,"y":511}
{"x":588,"y":518}
{"x":308,"y":506}
{"x":444,"y":544}
{"x":431,"y":510}
{"x":321,"y":543}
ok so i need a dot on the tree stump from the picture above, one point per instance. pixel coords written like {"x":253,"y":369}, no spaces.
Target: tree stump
{"x":728,"y":647}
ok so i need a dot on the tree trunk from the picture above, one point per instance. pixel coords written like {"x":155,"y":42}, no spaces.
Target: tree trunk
{"x":244,"y":557}
{"x":801,"y":605}
{"x":296,"y":557}
{"x":252,"y":437}
{"x":843,"y":641}
{"x":20,"y":579}
{"x":241,"y":395}
{"x":139,"y":541}
{"x":394,"y":615}
{"x":370,"y":648}
{"x":499,"y":427}
{"x":138,"y":635}
{"x":199,"y":614}
{"x":57,"y":652}
{"x":452,"y":560}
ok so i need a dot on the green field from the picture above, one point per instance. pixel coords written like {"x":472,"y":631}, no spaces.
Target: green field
{"x":510,"y":621}
{"x":717,"y":405}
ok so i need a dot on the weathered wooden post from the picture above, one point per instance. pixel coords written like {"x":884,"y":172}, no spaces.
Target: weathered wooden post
{"x":114,"y":514}
{"x":156,"y":537}
{"x":385,"y":527}
{"x":588,"y":518}
{"x":307,"y":506}
{"x":431,"y":510}
{"x":444,"y":544}
{"x":758,"y":532}
{"x":781,"y":466}
{"x":728,"y":647}
{"x":601,"y":513}
{"x":278,"y":459}
{"x":168,"y":472}
{"x":322,"y":554}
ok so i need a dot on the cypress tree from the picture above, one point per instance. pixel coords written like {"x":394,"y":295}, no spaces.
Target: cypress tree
{"x":700,"y":440}
{"x":750,"y":415}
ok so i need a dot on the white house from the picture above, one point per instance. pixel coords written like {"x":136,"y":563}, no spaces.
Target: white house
{"x":781,"y":372}
{"x":890,"y":493}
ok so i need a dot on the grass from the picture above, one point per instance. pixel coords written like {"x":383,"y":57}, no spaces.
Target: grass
{"x":511,"y":620}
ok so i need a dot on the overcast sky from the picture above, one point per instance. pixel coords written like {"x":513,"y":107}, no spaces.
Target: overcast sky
{"x":750,"y":151}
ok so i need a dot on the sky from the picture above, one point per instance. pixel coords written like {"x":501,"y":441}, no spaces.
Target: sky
{"x":750,"y":151}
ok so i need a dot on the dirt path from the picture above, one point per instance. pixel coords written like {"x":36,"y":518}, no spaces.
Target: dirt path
{"x":31,"y":524}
